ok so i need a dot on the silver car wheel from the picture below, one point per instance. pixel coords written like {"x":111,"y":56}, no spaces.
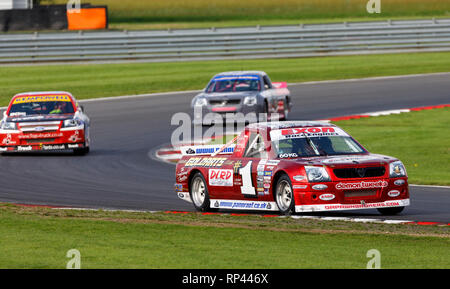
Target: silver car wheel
{"x":284,"y":195}
{"x":198,"y":191}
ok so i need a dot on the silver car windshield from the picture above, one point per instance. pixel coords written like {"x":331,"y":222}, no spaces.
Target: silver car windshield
{"x":233,"y":85}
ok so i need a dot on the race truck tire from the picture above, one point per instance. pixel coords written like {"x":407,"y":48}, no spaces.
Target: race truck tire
{"x":284,"y":195}
{"x":198,"y":191}
{"x":391,"y":211}
{"x":81,"y":152}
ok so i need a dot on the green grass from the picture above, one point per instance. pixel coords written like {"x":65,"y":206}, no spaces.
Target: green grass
{"x":102,"y":80}
{"x":199,"y":11}
{"x":421,"y":139}
{"x":40,"y":238}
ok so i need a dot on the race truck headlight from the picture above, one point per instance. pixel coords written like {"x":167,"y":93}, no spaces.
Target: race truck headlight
{"x":8,"y":125}
{"x":250,"y":100}
{"x":397,"y":169}
{"x":201,"y":102}
{"x":71,"y":123}
{"x":317,"y":174}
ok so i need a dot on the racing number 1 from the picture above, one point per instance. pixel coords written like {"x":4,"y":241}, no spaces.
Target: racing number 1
{"x":246,"y":174}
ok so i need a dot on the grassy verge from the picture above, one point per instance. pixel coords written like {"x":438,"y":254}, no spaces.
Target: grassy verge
{"x":418,"y":138}
{"x":40,"y":238}
{"x":101,"y":80}
{"x":199,"y":11}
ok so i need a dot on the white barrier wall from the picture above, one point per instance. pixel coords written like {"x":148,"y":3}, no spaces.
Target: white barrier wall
{"x":16,"y":4}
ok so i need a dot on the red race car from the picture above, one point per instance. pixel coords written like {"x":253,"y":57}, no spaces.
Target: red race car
{"x":292,"y":167}
{"x":44,"y":121}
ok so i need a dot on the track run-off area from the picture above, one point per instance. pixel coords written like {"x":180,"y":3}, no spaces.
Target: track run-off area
{"x":119,"y":173}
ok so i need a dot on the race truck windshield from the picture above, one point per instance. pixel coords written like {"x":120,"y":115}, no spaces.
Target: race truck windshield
{"x":232,"y":84}
{"x":41,"y":105}
{"x":310,"y":142}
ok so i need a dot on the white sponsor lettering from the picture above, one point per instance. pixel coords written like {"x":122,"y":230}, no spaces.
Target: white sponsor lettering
{"x":362,"y":185}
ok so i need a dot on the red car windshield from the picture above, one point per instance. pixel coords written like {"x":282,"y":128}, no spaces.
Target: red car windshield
{"x":41,"y":108}
{"x":317,"y":146}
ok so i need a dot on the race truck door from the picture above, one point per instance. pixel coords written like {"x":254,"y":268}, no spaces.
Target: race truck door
{"x":248,"y":184}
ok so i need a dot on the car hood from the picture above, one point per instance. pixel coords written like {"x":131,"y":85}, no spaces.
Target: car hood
{"x":34,"y":118}
{"x":346,"y":160}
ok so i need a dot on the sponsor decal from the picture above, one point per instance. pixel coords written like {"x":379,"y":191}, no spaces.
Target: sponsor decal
{"x":178,"y":188}
{"x":331,"y":207}
{"x":320,"y":187}
{"x":267,"y":173}
{"x":222,"y":178}
{"x":73,"y":146}
{"x":288,"y":155}
{"x":8,"y":140}
{"x":52,"y":147}
{"x":40,"y":135}
{"x":362,"y":185}
{"x":237,"y":165}
{"x":24,"y":148}
{"x":266,"y":186}
{"x":207,"y":150}
{"x":307,"y":131}
{"x":205,"y":162}
{"x":272,"y":162}
{"x":349,"y":159}
{"x":75,"y":137}
{"x":42,"y":98}
{"x":302,"y":187}
{"x":299,"y":178}
{"x":327,"y":197}
{"x":399,"y":182}
{"x":244,"y":205}
{"x":393,"y":193}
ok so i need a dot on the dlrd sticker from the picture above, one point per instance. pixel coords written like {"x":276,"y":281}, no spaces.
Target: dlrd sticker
{"x":221,"y":178}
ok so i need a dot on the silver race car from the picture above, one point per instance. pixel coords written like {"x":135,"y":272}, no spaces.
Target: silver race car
{"x":241,"y":96}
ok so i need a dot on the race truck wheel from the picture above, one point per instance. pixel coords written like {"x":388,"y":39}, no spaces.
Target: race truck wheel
{"x":199,"y":193}
{"x":391,"y":211}
{"x":284,"y":195}
{"x":81,"y":152}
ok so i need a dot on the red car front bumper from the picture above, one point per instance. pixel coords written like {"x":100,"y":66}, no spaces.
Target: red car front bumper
{"x":19,"y":141}
{"x":351,"y":195}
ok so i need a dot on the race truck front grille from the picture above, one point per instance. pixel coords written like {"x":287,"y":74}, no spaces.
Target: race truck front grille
{"x":50,"y":126}
{"x":353,"y":173}
{"x":360,"y":193}
{"x":225,"y":102}
{"x":38,"y":141}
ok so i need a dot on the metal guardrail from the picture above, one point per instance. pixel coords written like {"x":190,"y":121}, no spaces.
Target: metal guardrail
{"x":228,"y":43}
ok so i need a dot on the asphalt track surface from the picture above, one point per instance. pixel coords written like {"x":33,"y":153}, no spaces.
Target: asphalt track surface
{"x":120,"y":174}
